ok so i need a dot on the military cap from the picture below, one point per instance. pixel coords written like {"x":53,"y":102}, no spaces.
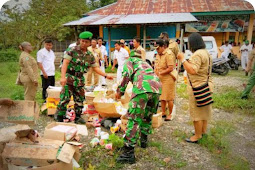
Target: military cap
{"x":136,"y":53}
{"x":86,"y":35}
{"x":247,"y":42}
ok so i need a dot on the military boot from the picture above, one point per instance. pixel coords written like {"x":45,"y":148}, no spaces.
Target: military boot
{"x":127,"y":156}
{"x":143,"y":140}
{"x":58,"y":118}
{"x":79,"y":119}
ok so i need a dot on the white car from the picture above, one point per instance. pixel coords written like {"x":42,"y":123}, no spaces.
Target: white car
{"x":210,"y":44}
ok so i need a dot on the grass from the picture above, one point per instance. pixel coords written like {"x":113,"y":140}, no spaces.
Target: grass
{"x":229,"y":99}
{"x":182,"y":91}
{"x":8,"y":88}
{"x":217,"y":143}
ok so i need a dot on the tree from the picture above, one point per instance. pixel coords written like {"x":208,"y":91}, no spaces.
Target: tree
{"x":44,"y":19}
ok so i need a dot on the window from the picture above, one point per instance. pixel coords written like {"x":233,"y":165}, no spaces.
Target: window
{"x":208,"y":45}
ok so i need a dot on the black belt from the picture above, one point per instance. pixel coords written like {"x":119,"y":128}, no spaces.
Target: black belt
{"x":74,"y":73}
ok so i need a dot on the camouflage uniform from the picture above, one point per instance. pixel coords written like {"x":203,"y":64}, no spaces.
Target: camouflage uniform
{"x":80,"y":62}
{"x":144,"y":99}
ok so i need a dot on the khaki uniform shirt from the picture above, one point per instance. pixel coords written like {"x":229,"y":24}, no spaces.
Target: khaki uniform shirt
{"x":28,"y":67}
{"x":252,"y":59}
{"x":97,"y":54}
{"x":200,"y":61}
{"x":163,"y":61}
{"x":174,"y":47}
{"x":126,"y":48}
{"x":143,"y":52}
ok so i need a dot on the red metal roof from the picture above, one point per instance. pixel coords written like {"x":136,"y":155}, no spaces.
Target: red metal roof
{"x":127,"y":7}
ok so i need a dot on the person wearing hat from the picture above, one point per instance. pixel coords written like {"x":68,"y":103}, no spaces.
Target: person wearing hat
{"x":77,"y":61}
{"x":251,"y":81}
{"x":122,"y":44}
{"x":245,"y":50}
{"x":28,"y":75}
{"x":164,"y":65}
{"x":137,"y":46}
{"x":143,"y":104}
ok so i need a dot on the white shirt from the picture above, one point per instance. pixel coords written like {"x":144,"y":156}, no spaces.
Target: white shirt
{"x":226,"y":50}
{"x":245,"y":49}
{"x":47,"y":59}
{"x":121,"y":56}
{"x":103,"y":50}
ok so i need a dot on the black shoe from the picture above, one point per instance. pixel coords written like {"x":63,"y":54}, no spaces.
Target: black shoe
{"x":127,"y":156}
{"x":60,"y":118}
{"x":244,"y":97}
{"x":79,"y":120}
{"x":104,"y":85}
{"x":190,"y":141}
{"x":143,"y":140}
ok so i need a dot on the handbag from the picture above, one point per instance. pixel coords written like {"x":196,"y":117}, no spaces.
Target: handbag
{"x":174,"y":74}
{"x":202,"y":93}
{"x":18,"y":81}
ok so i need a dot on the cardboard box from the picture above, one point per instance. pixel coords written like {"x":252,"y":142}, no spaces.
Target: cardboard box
{"x":123,"y":125}
{"x":53,"y":92}
{"x":57,"y":135}
{"x":32,"y":154}
{"x":56,"y":166}
{"x":51,"y":111}
{"x":22,"y":112}
{"x":157,"y":120}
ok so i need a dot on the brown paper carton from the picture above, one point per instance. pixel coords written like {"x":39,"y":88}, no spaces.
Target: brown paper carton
{"x":22,"y":112}
{"x":51,"y":111}
{"x":157,"y":120}
{"x":56,"y":166}
{"x":53,"y":93}
{"x":56,"y":135}
{"x":32,"y":154}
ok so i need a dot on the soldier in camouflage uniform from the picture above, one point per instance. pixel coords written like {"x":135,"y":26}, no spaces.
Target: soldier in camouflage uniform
{"x":77,"y":61}
{"x":143,"y":103}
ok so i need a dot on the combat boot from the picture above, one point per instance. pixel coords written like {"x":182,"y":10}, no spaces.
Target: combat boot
{"x":143,"y":140}
{"x":58,"y":118}
{"x":79,"y":120}
{"x":127,"y":156}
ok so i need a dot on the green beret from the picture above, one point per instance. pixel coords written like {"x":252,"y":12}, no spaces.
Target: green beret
{"x":247,"y":42}
{"x":85,"y":35}
{"x":136,"y":53}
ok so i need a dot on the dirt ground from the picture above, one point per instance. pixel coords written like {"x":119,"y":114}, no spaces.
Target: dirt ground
{"x":167,"y":148}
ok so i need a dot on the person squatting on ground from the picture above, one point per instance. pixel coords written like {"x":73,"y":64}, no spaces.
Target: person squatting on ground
{"x":164,"y":65}
{"x":143,"y":104}
{"x":199,"y":68}
{"x":76,"y":62}
{"x":46,"y":59}
{"x":251,"y":81}
{"x":28,"y":71}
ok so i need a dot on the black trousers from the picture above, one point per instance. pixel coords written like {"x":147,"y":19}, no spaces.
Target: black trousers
{"x":46,"y":83}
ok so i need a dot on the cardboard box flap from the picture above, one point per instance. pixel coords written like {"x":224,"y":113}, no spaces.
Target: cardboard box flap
{"x":7,"y":134}
{"x":82,"y":130}
{"x":54,"y":92}
{"x":75,"y":143}
{"x":66,"y":153}
{"x":23,"y":112}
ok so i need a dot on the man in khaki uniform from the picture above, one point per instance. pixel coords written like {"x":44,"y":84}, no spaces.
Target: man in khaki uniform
{"x":122,"y":44}
{"x":137,"y":46}
{"x":173,"y":46}
{"x":98,"y":56}
{"x":251,"y":81}
{"x":28,"y":71}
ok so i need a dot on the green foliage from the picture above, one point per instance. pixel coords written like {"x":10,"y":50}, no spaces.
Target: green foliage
{"x":94,"y":4}
{"x":117,"y":142}
{"x":9,"y":55}
{"x":229,"y":99}
{"x":109,"y":70}
{"x":217,"y":143}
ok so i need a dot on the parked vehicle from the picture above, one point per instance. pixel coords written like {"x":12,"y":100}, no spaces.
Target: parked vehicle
{"x":220,"y":66}
{"x":234,"y":62}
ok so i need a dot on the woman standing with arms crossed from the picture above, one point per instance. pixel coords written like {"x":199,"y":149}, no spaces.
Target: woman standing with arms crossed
{"x":200,"y":85}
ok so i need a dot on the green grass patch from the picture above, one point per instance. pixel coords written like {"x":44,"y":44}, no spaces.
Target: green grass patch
{"x":182,"y":91}
{"x":216,"y":142}
{"x":229,"y":99}
{"x":109,"y":70}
